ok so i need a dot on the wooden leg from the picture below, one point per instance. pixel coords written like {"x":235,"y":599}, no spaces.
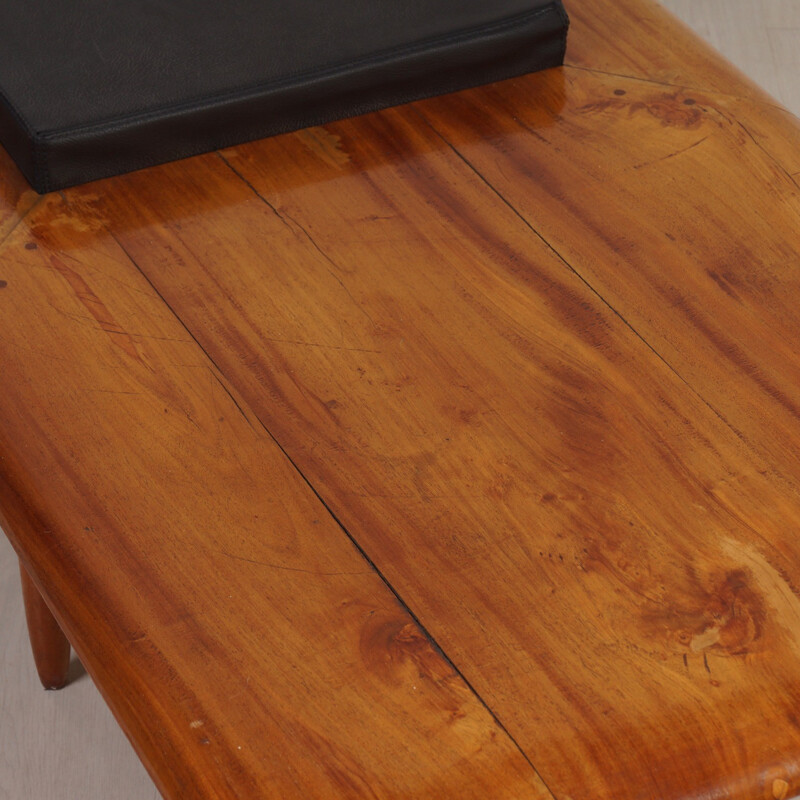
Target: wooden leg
{"x":50,"y":647}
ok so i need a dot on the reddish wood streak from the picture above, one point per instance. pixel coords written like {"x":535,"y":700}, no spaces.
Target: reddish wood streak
{"x":533,"y":345}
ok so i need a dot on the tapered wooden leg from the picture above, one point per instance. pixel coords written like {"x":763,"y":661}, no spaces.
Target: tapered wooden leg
{"x":50,"y":647}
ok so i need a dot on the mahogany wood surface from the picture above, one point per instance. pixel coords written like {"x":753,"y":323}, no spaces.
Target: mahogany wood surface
{"x":450,"y":451}
{"x":50,"y":647}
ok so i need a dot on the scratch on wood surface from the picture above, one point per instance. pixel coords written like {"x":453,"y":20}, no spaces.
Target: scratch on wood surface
{"x":272,"y":565}
{"x":333,"y":264}
{"x":294,"y":226}
{"x":95,"y":306}
{"x":643,"y":79}
{"x":768,"y":154}
{"x":133,"y":334}
{"x":671,"y":155}
{"x":323,"y":346}
{"x":111,"y":391}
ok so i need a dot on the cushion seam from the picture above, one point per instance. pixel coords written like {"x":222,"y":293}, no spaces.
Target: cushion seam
{"x":144,"y":115}
{"x":38,"y":148}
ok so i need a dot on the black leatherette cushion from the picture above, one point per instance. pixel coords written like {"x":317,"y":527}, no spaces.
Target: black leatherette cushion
{"x":92,"y":88}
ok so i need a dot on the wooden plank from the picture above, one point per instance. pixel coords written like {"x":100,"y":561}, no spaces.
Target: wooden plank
{"x":707,"y":279}
{"x":245,"y":645}
{"x":607,"y":560}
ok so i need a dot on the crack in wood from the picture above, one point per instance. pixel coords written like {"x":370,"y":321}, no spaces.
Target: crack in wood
{"x":356,"y":544}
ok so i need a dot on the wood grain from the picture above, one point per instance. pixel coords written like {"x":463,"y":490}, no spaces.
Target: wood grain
{"x":532,"y":345}
{"x":246,"y":646}
{"x":634,"y":39}
{"x":407,"y":302}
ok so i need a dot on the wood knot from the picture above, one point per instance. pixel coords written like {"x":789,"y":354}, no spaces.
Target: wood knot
{"x":726,"y":617}
{"x":674,"y":115}
{"x":398,"y":651}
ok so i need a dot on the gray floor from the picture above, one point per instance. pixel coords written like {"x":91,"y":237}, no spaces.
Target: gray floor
{"x":762,"y":37}
{"x":66,"y":745}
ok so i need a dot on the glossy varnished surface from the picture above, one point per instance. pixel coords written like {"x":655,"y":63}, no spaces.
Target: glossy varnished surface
{"x":245,"y":644}
{"x":533,"y":345}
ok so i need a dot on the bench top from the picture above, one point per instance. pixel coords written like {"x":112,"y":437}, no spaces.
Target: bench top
{"x":447,"y":452}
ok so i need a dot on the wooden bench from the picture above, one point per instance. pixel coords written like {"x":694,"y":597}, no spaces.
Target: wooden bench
{"x":446,"y":452}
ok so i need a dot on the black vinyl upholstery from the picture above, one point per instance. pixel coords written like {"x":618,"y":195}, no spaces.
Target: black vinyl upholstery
{"x":92,"y":88}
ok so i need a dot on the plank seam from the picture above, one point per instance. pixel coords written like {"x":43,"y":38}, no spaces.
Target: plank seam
{"x":580,"y":277}
{"x":373,"y":566}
